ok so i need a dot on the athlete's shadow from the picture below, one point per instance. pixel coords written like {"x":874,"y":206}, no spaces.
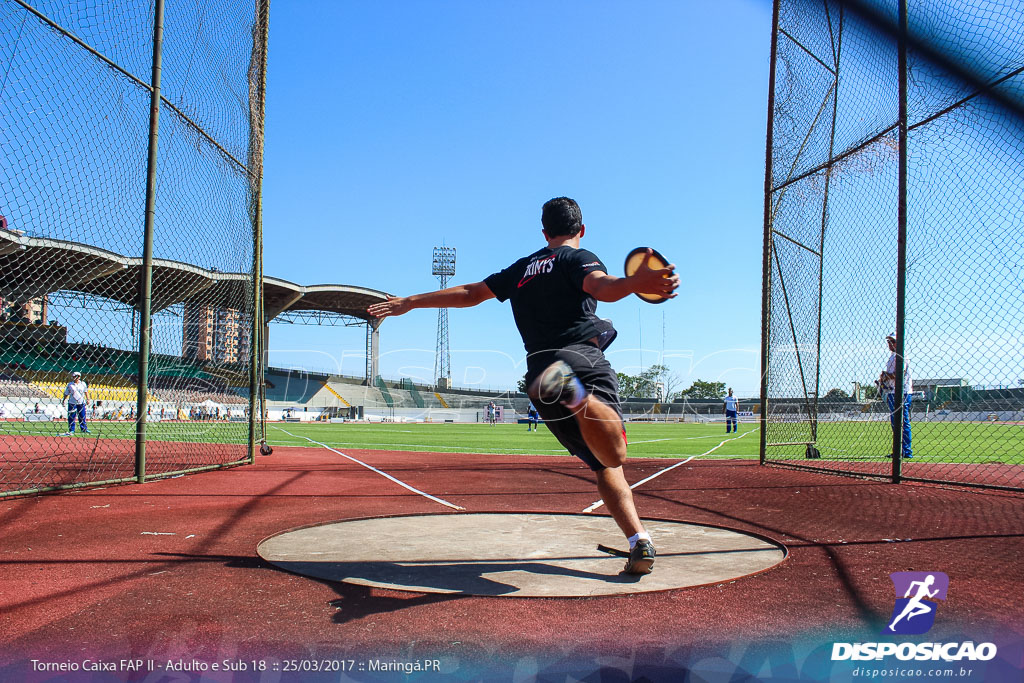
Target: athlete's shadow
{"x":444,"y":577}
{"x":427,"y":583}
{"x":415,"y":583}
{"x":353,"y":602}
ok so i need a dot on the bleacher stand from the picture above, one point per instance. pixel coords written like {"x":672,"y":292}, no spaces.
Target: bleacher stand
{"x":188,"y":390}
{"x":292,"y":386}
{"x":34,"y":375}
{"x":13,"y":386}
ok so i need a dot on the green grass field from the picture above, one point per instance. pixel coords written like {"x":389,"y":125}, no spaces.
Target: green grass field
{"x":975,"y":442}
{"x":933,"y":441}
{"x":649,"y":440}
{"x":961,"y":442}
{"x":652,"y":440}
{"x":204,"y":432}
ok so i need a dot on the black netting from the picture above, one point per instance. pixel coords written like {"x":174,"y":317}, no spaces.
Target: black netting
{"x":832,"y":289}
{"x":75,"y":96}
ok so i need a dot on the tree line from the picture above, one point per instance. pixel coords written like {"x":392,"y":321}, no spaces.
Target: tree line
{"x":660,"y":383}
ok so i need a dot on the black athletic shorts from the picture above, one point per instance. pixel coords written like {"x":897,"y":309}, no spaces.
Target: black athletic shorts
{"x":590,"y":365}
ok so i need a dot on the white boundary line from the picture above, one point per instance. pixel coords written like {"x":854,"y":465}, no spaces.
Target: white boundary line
{"x":373,"y":469}
{"x":434,"y":448}
{"x":599,"y":503}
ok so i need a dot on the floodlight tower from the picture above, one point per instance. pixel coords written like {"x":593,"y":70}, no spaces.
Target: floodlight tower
{"x":443,"y":267}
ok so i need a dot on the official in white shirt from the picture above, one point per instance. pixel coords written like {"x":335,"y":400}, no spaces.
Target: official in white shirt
{"x":732,"y":405}
{"x":77,"y":395}
{"x":887,"y":382}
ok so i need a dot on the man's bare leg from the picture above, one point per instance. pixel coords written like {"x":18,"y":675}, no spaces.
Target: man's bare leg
{"x":601,"y":427}
{"x":617,"y":496}
{"x":602,"y":430}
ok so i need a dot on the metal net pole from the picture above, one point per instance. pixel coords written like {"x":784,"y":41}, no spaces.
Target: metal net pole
{"x":146,"y":274}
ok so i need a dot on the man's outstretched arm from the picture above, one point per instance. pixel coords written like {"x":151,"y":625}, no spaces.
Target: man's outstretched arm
{"x":460,"y":296}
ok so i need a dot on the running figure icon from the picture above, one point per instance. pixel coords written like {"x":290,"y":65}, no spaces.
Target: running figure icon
{"x":916,"y":606}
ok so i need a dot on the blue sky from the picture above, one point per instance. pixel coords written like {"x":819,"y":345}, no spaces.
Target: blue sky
{"x":395,"y":127}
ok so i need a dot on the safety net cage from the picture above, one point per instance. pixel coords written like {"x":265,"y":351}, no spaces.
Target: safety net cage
{"x":894,"y":205}
{"x":130,"y":239}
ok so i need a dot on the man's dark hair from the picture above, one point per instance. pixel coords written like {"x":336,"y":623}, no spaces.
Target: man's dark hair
{"x":561,"y":216}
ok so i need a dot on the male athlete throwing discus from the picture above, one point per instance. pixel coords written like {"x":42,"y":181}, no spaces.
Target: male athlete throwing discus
{"x":554,"y":294}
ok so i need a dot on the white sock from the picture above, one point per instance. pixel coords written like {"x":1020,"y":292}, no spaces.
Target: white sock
{"x":636,"y":538}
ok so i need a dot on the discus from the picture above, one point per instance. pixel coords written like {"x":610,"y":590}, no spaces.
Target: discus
{"x":636,"y":258}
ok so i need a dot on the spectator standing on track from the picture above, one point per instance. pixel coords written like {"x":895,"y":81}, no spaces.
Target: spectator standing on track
{"x":77,"y":395}
{"x":887,"y":383}
{"x":731,"y":411}
{"x":554,"y":294}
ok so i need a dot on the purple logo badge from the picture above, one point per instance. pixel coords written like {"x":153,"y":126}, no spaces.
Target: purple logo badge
{"x":916,"y":596}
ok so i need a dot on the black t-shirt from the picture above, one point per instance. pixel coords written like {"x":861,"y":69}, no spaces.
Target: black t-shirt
{"x":548,"y":302}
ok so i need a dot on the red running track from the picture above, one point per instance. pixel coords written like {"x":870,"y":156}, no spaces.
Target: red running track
{"x":168,"y":569}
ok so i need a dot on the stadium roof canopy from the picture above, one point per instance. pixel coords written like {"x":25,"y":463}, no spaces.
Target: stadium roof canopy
{"x":280,"y":296}
{"x":31,"y":267}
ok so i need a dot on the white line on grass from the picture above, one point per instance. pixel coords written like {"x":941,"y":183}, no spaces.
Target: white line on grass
{"x":708,"y":436}
{"x":374,"y":469}
{"x":599,"y":503}
{"x":431,"y":448}
{"x":425,"y":447}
